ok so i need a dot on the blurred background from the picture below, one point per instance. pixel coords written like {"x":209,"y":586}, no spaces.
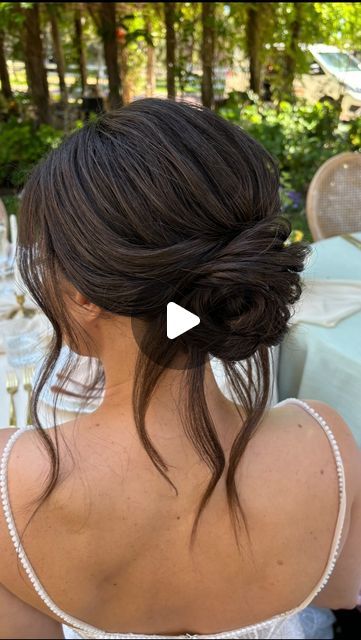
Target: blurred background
{"x":288,"y":72}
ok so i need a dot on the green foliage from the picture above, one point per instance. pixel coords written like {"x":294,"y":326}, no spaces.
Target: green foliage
{"x":11,"y":203}
{"x":22,"y":145}
{"x":301,"y":137}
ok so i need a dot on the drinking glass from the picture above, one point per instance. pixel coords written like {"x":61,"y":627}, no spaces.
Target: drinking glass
{"x":4,"y":249}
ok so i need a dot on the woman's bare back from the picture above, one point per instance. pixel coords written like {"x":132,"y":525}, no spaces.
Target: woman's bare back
{"x":111,"y":546}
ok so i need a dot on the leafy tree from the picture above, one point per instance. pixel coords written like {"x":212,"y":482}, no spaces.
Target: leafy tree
{"x":150,"y":74}
{"x":339,"y":23}
{"x":169,"y":17}
{"x":296,"y":24}
{"x":79,"y":47}
{"x":34,"y":61}
{"x":290,"y":64}
{"x":253,"y":44}
{"x":4,"y":73}
{"x":10,"y":20}
{"x":108,"y":31}
{"x":253,"y":25}
{"x":53,"y":9}
{"x":135,"y":42}
{"x":188,"y":24}
{"x":207,"y":52}
{"x":104,"y":16}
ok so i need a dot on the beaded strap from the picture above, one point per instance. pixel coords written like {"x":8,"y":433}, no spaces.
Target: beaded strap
{"x":20,"y":550}
{"x":88,"y":631}
{"x":342,"y":502}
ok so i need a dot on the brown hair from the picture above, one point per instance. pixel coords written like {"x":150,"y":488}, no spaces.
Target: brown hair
{"x":155,"y":198}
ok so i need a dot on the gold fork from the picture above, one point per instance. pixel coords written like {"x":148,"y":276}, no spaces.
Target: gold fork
{"x":28,"y":387}
{"x":11,"y":388}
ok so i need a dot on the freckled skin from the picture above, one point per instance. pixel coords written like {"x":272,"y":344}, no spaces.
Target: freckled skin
{"x":300,"y":426}
{"x":322,"y":472}
{"x":280,"y":562}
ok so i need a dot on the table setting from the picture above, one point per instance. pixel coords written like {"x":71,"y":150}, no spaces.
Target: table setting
{"x":320,"y":358}
{"x":25,"y":335}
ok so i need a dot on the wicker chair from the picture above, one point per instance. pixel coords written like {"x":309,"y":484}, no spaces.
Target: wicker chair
{"x":333,"y":204}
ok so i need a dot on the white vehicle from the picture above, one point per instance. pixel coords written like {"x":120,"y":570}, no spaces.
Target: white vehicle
{"x":332,"y":74}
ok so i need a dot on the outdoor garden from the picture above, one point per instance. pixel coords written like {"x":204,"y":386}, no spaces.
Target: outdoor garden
{"x":242,"y":59}
{"x":150,"y":282}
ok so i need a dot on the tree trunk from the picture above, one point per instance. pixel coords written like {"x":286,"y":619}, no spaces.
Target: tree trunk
{"x":35,"y":69}
{"x":169,"y":15}
{"x":291,"y":55}
{"x":150,"y":77}
{"x":192,"y":38}
{"x":253,"y":47}
{"x":58,"y":53}
{"x":124,"y":69}
{"x":108,"y":32}
{"x":4,"y":73}
{"x":207,"y":52}
{"x":80,"y":49}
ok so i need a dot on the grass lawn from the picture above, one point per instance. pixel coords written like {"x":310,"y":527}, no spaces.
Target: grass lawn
{"x":18,"y":80}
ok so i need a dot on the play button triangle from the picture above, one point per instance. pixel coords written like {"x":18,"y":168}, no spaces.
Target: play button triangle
{"x":179,"y":320}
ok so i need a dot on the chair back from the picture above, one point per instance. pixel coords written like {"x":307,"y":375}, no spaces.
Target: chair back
{"x":3,"y":212}
{"x":333,"y":203}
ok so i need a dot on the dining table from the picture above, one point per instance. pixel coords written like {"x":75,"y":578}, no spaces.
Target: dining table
{"x":320,"y":357}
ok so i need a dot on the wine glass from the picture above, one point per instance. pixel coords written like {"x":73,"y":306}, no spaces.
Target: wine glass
{"x":4,"y":217}
{"x":4,"y":245}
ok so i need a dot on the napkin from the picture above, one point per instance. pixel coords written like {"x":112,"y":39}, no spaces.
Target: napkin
{"x":327,"y":302}
{"x":37,"y":326}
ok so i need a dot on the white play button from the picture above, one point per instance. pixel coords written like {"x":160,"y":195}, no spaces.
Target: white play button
{"x":179,"y":320}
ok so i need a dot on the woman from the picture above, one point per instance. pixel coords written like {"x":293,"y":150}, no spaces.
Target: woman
{"x":170,"y":510}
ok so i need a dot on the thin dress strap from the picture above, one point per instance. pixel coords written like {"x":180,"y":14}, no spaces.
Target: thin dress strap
{"x":88,"y":631}
{"x":91,"y":631}
{"x":342,"y":501}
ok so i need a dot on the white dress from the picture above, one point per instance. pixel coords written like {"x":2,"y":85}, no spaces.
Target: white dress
{"x":299,"y":623}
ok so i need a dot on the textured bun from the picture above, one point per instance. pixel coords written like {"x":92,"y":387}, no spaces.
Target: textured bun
{"x":244,"y":294}
{"x":166,"y":201}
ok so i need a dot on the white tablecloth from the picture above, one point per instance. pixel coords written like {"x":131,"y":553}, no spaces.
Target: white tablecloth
{"x":324,"y":362}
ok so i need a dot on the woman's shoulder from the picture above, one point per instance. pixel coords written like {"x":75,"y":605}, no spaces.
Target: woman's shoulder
{"x":342,"y":587}
{"x":342,"y":437}
{"x":310,"y":444}
{"x":26,"y":465}
{"x":293,"y":453}
{"x":324,"y":440}
{"x":290,"y":489}
{"x":307,"y":422}
{"x":28,"y":452}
